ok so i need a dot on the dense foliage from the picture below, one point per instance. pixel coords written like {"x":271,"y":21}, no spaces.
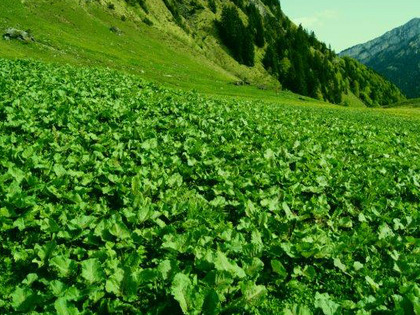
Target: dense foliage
{"x":120,"y":197}
{"x":292,"y":59}
{"x":212,"y":6}
{"x":297,"y":59}
{"x":367,"y":85}
{"x":141,"y":3}
{"x":255,"y":25}
{"x":402,"y":68}
{"x":236,"y":36}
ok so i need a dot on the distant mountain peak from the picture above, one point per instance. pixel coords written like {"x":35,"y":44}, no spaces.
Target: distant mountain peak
{"x":414,"y":21}
{"x":395,"y":55}
{"x":391,"y":40}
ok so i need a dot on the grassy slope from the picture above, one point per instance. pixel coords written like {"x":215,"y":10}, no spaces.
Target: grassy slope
{"x":67,"y":31}
{"x":408,"y":108}
{"x":410,"y":103}
{"x":352,"y":101}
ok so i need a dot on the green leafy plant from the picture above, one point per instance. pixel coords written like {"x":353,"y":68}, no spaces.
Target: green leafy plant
{"x":118,"y":196}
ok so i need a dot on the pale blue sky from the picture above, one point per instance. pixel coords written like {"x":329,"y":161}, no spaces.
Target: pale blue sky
{"x":345,"y":23}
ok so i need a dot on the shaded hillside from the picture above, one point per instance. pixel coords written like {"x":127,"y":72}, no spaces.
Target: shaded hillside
{"x":396,"y":55}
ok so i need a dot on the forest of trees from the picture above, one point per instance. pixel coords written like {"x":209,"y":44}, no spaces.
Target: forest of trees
{"x":240,"y":39}
{"x":299,"y":61}
{"x":302,"y":65}
{"x":236,"y":36}
{"x":370,"y":87}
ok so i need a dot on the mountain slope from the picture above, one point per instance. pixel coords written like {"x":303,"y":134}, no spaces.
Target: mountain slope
{"x":180,"y":43}
{"x":259,"y":34}
{"x":396,"y":55}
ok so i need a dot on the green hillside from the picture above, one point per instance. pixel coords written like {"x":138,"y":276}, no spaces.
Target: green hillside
{"x":121,"y":197}
{"x":150,"y":166}
{"x":180,"y":44}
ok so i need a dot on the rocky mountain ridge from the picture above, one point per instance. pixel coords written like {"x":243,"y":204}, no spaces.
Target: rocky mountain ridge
{"x":395,"y":55}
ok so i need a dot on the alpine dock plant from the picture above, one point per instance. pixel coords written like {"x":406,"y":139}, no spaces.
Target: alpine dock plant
{"x":121,"y":197}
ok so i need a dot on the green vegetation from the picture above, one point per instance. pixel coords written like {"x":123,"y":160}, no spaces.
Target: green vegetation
{"x":79,"y":33}
{"x":368,"y":86}
{"x":213,"y":6}
{"x":118,"y":196}
{"x":415,"y":103}
{"x":141,"y":3}
{"x":236,"y":36}
{"x":256,"y":26}
{"x":296,"y":58}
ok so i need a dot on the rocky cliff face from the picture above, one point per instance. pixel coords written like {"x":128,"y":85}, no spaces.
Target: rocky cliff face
{"x":395,"y":55}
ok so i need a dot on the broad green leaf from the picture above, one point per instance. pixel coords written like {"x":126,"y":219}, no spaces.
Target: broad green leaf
{"x":175,"y":180}
{"x":62,"y":306}
{"x":165,"y":269}
{"x":119,"y":230}
{"x":44,"y":252}
{"x":385,"y":231}
{"x":278,"y":268}
{"x":57,"y":287}
{"x":253,"y":293}
{"x":181,"y":290}
{"x":223,"y":263}
{"x":17,"y":174}
{"x":269,"y":154}
{"x":326,"y":304}
{"x":357,"y":265}
{"x":372,"y":283}
{"x":287,"y":211}
{"x":297,"y":309}
{"x":113,"y":283}
{"x":211,"y":303}
{"x":92,"y":270}
{"x":63,"y":265}
{"x":30,"y":278}
{"x":23,"y":299}
{"x":59,"y":170}
{"x":72,"y":294}
{"x":339,"y":264}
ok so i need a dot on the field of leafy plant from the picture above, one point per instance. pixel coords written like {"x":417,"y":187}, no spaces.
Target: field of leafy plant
{"x":121,"y":197}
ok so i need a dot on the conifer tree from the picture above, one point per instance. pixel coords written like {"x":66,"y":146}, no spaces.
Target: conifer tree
{"x":236,"y":36}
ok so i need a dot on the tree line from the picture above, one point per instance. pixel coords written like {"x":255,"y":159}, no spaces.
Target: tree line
{"x":297,"y":58}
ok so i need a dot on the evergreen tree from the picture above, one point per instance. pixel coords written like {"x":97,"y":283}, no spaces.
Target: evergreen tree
{"x":248,"y":51}
{"x":236,"y":37}
{"x":212,"y":6}
{"x":256,"y":24}
{"x":271,"y":61}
